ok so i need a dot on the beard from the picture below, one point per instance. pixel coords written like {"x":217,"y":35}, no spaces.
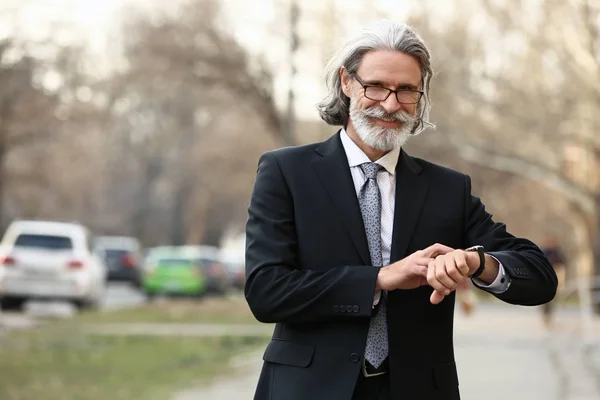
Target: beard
{"x":379,"y":137}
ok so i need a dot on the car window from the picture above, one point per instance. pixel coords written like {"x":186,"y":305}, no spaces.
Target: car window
{"x":47,"y":242}
{"x":166,"y":262}
{"x":115,"y":253}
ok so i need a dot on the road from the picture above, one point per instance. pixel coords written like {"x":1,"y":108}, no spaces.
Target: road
{"x":501,"y":352}
{"x":117,"y":295}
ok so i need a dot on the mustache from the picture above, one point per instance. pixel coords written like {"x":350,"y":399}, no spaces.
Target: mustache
{"x":399,"y":116}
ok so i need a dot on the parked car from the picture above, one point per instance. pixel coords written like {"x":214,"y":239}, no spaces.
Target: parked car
{"x":209,"y":260}
{"x":235,"y":270}
{"x":123,"y":258}
{"x":184,"y":270}
{"x":168,"y":271}
{"x":49,"y":260}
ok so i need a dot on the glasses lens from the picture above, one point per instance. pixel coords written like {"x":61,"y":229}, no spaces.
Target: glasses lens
{"x":408,"y":97}
{"x":376,"y":93}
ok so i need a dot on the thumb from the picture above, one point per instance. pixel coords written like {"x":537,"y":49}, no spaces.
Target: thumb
{"x":436,"y":297}
{"x":437,"y":249}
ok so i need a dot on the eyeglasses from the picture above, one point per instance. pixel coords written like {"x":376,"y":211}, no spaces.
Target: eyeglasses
{"x":380,"y":93}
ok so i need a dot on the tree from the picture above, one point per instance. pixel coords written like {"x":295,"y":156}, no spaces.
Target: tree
{"x":27,"y":115}
{"x":520,"y":112}
{"x":187,"y":88}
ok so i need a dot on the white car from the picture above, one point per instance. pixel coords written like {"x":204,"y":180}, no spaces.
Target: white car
{"x":46,"y":260}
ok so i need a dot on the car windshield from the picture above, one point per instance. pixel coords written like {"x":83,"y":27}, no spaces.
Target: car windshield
{"x":47,"y":242}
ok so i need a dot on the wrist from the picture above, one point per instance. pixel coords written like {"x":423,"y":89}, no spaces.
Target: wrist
{"x":492,"y":268}
{"x":381,"y":278}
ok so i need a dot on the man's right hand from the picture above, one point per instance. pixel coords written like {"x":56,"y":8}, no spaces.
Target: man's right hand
{"x":410,"y":272}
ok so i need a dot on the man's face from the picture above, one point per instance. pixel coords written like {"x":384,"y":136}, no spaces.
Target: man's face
{"x":383,"y":124}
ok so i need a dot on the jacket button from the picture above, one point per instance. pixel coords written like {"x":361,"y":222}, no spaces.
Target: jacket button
{"x":354,"y":357}
{"x":336,"y":309}
{"x":355,"y":308}
{"x":349,"y":308}
{"x":342,"y":308}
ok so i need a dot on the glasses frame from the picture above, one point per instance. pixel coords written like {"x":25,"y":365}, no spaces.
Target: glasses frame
{"x":390,"y":91}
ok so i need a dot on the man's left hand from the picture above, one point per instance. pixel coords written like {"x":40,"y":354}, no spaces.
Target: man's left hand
{"x":447,"y":271}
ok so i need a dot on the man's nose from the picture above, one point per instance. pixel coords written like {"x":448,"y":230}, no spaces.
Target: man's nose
{"x":391,"y":105}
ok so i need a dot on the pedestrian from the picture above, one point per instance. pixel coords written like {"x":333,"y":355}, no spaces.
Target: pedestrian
{"x":465,"y":295}
{"x":354,"y":248}
{"x":557,"y":259}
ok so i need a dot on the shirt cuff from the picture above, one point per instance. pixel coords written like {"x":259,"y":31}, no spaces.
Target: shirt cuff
{"x":500,"y":284}
{"x":376,"y":298}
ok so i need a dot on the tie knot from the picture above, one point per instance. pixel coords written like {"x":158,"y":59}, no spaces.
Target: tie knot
{"x":370,"y":169}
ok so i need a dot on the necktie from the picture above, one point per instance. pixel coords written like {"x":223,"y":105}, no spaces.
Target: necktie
{"x":370,"y":206}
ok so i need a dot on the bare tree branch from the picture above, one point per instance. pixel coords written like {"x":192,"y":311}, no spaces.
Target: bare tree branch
{"x":526,"y":169}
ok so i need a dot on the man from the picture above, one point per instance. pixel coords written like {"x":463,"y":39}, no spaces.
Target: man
{"x":354,"y":248}
{"x":465,"y":296}
{"x":557,"y":259}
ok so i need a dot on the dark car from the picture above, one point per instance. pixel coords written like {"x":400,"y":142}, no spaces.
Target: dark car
{"x":235,"y":270}
{"x":123,"y":258}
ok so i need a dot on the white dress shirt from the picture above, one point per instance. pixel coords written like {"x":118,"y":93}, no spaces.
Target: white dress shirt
{"x":386,"y":180}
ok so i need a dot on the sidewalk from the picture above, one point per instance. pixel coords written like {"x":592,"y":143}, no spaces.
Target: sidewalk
{"x":505,"y":352}
{"x":501,"y":351}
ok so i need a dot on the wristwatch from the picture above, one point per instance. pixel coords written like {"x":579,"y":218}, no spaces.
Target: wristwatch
{"x":479,"y":250}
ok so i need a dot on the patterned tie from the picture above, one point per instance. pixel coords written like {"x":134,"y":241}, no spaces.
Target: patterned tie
{"x":370,"y":205}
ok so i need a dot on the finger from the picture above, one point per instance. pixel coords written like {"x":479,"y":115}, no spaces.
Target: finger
{"x":436,"y":297}
{"x":423,"y":261}
{"x":452,"y":267}
{"x":431,"y":271}
{"x":432,"y":279}
{"x":442,"y":275}
{"x":461,"y":263}
{"x":437,"y":249}
{"x":421,"y":271}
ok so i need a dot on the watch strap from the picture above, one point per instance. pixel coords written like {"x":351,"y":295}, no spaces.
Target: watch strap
{"x":481,"y":252}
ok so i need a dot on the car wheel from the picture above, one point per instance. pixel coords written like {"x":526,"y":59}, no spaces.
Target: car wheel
{"x":86,"y":304}
{"x":12,"y":303}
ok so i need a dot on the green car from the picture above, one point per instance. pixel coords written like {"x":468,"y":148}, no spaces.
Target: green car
{"x":174,"y":271}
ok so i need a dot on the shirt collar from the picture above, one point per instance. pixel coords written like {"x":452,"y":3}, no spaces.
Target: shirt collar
{"x":356,"y":156}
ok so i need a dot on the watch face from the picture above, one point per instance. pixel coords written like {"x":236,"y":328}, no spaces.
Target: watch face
{"x":474,"y":248}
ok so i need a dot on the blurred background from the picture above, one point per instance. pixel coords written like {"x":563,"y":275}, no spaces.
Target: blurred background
{"x":133,"y":129}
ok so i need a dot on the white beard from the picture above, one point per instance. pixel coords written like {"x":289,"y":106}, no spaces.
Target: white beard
{"x":379,"y":137}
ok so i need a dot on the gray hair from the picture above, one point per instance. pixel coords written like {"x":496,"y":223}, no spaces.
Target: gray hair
{"x":383,"y":35}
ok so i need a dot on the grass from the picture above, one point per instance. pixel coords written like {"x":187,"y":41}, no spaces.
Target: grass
{"x":60,"y":361}
{"x":222,"y":310}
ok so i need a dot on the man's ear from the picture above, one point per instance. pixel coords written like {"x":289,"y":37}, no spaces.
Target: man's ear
{"x":345,"y":81}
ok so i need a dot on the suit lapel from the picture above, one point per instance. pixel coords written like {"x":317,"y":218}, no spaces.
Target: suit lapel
{"x":411,"y":189}
{"x":334,"y":173}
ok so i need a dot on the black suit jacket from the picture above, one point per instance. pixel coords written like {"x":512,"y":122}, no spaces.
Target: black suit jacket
{"x":307,"y":270}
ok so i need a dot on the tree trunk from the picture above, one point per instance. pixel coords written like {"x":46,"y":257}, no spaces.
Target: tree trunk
{"x":178,"y":234}
{"x":595,"y":241}
{"x":143,"y":200}
{"x":3,"y":223}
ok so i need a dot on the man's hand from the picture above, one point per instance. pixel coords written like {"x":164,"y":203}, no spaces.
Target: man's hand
{"x":410,"y":272}
{"x":448,"y":270}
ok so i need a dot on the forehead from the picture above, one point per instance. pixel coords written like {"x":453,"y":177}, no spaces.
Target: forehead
{"x":390,"y":68}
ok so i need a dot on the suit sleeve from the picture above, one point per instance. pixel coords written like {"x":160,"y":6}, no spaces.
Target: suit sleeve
{"x":533,"y":280}
{"x":276,"y":289}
